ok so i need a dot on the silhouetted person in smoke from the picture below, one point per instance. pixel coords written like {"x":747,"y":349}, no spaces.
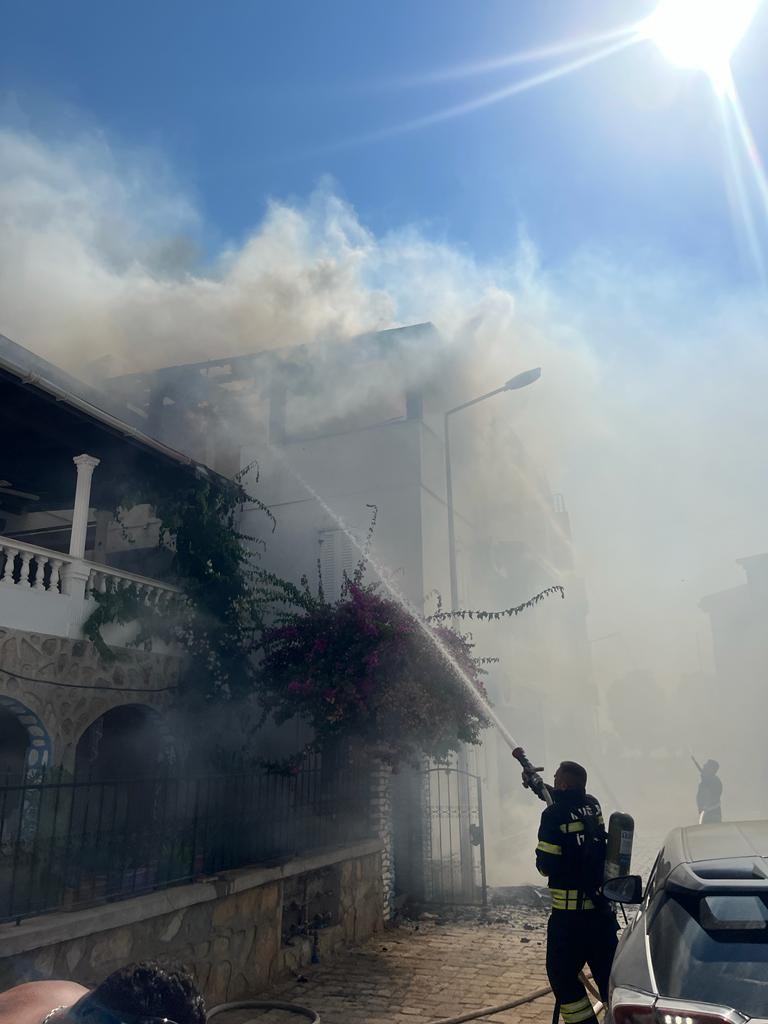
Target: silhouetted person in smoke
{"x":144,"y":993}
{"x":709,"y":794}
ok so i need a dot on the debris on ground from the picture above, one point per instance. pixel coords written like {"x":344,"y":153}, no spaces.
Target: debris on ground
{"x":521,"y":908}
{"x":519,"y":896}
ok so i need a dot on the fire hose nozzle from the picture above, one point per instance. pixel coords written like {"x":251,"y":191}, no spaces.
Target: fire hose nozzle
{"x":531,"y":778}
{"x":528,"y":769}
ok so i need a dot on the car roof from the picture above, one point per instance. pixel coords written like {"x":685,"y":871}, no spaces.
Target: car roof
{"x":727,"y":855}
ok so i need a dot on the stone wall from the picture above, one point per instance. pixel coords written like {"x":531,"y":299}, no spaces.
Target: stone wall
{"x":35,"y":663}
{"x":381,"y":812}
{"x":227,"y":930}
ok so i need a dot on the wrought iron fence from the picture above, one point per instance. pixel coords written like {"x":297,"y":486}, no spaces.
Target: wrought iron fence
{"x":68,"y":843}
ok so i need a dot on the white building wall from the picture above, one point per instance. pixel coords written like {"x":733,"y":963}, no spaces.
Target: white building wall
{"x":345,"y":473}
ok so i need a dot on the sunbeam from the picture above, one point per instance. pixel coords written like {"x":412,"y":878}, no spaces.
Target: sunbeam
{"x":748,"y":140}
{"x":490,"y":98}
{"x":737,"y":187}
{"x":703,"y":37}
{"x":492,"y":64}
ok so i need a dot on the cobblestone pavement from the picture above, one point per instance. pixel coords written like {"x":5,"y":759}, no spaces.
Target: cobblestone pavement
{"x":424,"y":970}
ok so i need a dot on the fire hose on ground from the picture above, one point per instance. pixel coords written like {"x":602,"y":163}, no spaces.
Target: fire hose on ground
{"x":312,"y":1015}
{"x":260,"y":1004}
{"x":490,"y":1011}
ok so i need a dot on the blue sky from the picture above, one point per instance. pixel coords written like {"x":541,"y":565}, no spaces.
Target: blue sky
{"x":250,"y":99}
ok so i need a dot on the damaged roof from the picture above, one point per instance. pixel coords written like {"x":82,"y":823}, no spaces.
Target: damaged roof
{"x":196,"y":377}
{"x":53,"y":416}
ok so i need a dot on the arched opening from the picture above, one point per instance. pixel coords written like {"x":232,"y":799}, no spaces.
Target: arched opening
{"x":37,"y":742}
{"x":126,"y":743}
{"x":25,"y":750}
{"x":14,"y":747}
{"x":121,"y":798}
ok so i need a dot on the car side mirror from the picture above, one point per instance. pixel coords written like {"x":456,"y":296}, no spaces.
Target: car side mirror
{"x":625,"y":889}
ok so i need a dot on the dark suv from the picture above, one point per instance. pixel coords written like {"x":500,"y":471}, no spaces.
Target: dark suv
{"x":696,"y":952}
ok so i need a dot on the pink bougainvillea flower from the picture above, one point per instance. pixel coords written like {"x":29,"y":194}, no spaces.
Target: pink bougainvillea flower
{"x":374,"y":675}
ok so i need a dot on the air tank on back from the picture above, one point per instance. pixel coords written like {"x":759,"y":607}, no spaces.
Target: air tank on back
{"x":621,"y":835}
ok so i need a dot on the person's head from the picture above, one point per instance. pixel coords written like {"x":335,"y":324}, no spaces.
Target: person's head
{"x":712,"y":767}
{"x":570,"y":776}
{"x":143,"y":993}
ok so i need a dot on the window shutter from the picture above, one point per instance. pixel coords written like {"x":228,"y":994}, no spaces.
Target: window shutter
{"x":338,"y":555}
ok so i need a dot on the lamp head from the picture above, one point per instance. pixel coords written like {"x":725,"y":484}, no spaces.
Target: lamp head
{"x":522,"y":380}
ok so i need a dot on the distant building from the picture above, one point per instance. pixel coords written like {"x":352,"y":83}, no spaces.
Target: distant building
{"x":738,"y":618}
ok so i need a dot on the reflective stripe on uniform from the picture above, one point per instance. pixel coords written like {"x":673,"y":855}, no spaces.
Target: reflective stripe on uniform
{"x":549,"y":848}
{"x":569,"y":899}
{"x":581,"y":1010}
{"x":572,"y":826}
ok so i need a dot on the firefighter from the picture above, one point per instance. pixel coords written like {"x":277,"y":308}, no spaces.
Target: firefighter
{"x":582,"y":927}
{"x":709,"y":794}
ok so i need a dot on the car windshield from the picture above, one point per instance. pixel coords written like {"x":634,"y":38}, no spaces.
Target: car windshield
{"x":713,"y":949}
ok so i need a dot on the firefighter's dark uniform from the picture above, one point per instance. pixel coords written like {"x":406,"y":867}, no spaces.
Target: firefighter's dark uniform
{"x":582,"y":927}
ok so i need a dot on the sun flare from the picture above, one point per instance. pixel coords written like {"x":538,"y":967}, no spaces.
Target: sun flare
{"x":700,"y":34}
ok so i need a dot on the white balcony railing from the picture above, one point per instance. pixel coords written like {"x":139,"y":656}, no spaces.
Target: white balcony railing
{"x":27,"y":566}
{"x":48,"y":591}
{"x":149,"y":590}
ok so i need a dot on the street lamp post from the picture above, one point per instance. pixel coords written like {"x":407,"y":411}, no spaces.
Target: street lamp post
{"x":520,"y":381}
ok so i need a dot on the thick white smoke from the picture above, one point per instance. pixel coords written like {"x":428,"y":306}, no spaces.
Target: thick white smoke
{"x":649,"y":415}
{"x":100,"y":259}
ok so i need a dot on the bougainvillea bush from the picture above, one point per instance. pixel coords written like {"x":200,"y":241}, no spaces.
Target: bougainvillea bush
{"x":364,"y":667}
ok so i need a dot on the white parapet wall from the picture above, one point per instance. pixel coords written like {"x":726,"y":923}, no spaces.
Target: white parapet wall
{"x":43,"y":591}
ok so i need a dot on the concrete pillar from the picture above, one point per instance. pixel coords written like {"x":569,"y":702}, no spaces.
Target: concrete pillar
{"x":85,"y":465}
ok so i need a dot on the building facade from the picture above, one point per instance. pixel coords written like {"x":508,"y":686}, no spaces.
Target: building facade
{"x":68,"y":463}
{"x":334,"y":431}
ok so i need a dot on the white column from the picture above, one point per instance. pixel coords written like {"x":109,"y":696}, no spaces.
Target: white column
{"x":85,"y":465}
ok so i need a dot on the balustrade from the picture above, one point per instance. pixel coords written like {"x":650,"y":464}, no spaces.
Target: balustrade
{"x":150,"y":592}
{"x":27,"y":567}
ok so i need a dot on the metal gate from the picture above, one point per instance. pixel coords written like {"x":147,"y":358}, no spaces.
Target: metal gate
{"x":454,"y":845}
